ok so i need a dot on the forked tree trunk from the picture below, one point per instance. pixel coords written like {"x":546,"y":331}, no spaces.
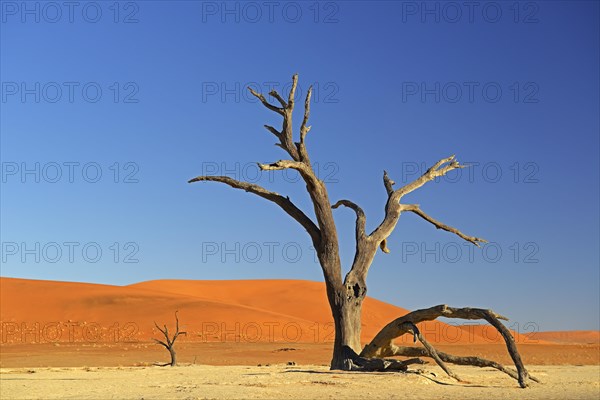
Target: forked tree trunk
{"x":346,"y":297}
{"x":169,"y":342}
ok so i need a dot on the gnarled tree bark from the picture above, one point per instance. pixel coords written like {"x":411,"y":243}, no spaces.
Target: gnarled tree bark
{"x":346,"y":295}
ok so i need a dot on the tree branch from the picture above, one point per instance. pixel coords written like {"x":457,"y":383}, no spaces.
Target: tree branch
{"x":439,"y":225}
{"x":404,"y":351}
{"x":431,"y":351}
{"x":388,"y":183}
{"x":177,"y":332}
{"x":382,"y":344}
{"x":284,"y":202}
{"x":397,"y":328}
{"x":285,"y":135}
{"x":304,"y":129}
{"x":304,"y":169}
{"x":159,"y":328}
{"x":273,"y":131}
{"x":324,"y":232}
{"x":279,"y":98}
{"x":161,"y":343}
{"x":378,"y":364}
{"x":439,"y":169}
{"x":292,"y":94}
{"x":285,"y":164}
{"x":165,"y":332}
{"x":360,"y":217}
{"x":265,"y":102}
{"x":364,"y":253}
{"x":393,"y":206}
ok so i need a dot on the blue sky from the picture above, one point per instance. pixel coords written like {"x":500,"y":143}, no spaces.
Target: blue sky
{"x":108,"y":110}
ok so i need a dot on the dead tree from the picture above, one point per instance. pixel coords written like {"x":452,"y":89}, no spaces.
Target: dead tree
{"x":346,"y":295}
{"x":169,"y":342}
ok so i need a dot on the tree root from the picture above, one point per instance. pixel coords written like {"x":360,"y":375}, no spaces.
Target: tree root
{"x":354,"y":362}
{"x":382,"y":346}
{"x":157,"y":364}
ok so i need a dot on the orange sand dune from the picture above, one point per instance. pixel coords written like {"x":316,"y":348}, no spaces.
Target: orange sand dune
{"x":43,"y":311}
{"x":33,"y":311}
{"x":579,"y":337}
{"x":491,"y":335}
{"x":305,"y":300}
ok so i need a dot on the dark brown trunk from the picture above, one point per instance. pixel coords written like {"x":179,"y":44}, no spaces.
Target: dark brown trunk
{"x":346,"y":308}
{"x":173,"y":357}
{"x":347,"y":321}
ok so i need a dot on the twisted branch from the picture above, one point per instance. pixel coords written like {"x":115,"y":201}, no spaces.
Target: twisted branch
{"x":393,"y":208}
{"x":382,"y":344}
{"x":439,"y":225}
{"x":360,"y":216}
{"x":284,"y":202}
{"x":286,"y":109}
{"x":403,"y":351}
{"x":263,"y":100}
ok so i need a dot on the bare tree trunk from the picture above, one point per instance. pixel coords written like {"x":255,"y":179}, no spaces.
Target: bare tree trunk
{"x":346,"y":306}
{"x":347,"y":322}
{"x":173,"y":357}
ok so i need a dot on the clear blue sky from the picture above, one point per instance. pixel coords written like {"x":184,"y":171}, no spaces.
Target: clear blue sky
{"x":513,"y":90}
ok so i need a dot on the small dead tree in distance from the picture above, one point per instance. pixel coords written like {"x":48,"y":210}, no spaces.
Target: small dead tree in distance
{"x":346,"y":295}
{"x":169,"y":342}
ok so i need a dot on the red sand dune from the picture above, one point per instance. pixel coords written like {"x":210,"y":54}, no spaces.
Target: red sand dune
{"x":575,"y":337}
{"x":297,"y":299}
{"x":33,"y":311}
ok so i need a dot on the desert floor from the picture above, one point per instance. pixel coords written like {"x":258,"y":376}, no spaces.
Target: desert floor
{"x":290,"y":382}
{"x":143,"y":354}
{"x":261,"y":370}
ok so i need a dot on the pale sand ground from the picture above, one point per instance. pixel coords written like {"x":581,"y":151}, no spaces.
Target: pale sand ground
{"x":290,"y":382}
